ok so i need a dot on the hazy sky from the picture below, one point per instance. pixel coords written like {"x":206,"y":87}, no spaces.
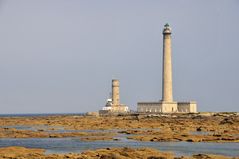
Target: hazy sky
{"x":60,"y":55}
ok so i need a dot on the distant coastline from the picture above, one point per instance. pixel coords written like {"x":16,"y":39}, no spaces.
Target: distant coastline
{"x":39,"y":114}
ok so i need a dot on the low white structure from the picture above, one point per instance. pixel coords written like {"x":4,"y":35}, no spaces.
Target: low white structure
{"x":109,"y":108}
{"x":159,"y":107}
{"x":186,"y":107}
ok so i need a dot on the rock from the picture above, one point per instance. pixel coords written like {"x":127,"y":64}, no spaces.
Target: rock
{"x":152,"y":157}
{"x":189,"y":140}
{"x":201,"y":156}
{"x":199,"y":129}
{"x":92,"y":114}
{"x":40,"y":130}
{"x":107,"y":153}
{"x":176,"y":127}
{"x":226,"y":121}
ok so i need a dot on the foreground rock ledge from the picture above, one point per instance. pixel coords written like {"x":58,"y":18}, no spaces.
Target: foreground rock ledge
{"x":107,"y":153}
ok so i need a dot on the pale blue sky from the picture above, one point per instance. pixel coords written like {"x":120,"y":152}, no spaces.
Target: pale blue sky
{"x":60,"y":56}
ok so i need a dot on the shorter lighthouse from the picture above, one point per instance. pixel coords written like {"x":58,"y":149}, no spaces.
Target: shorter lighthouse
{"x":115,"y":92}
{"x":113,"y":105}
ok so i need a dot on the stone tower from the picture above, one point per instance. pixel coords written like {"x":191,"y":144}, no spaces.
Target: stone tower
{"x":167,"y":94}
{"x":113,"y":105}
{"x":115,"y":93}
{"x":167,"y":104}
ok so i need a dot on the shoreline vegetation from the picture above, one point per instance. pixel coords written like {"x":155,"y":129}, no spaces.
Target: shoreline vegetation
{"x":198,"y":127}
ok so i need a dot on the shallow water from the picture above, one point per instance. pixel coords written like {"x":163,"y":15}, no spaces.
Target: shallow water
{"x":66,"y":145}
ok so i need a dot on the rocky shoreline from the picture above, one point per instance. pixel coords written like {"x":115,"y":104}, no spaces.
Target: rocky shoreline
{"x":106,"y":153}
{"x":156,"y":128}
{"x":217,"y":127}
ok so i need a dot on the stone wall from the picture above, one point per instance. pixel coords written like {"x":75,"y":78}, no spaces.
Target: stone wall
{"x":151,"y":107}
{"x":187,"y":107}
{"x":167,"y":107}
